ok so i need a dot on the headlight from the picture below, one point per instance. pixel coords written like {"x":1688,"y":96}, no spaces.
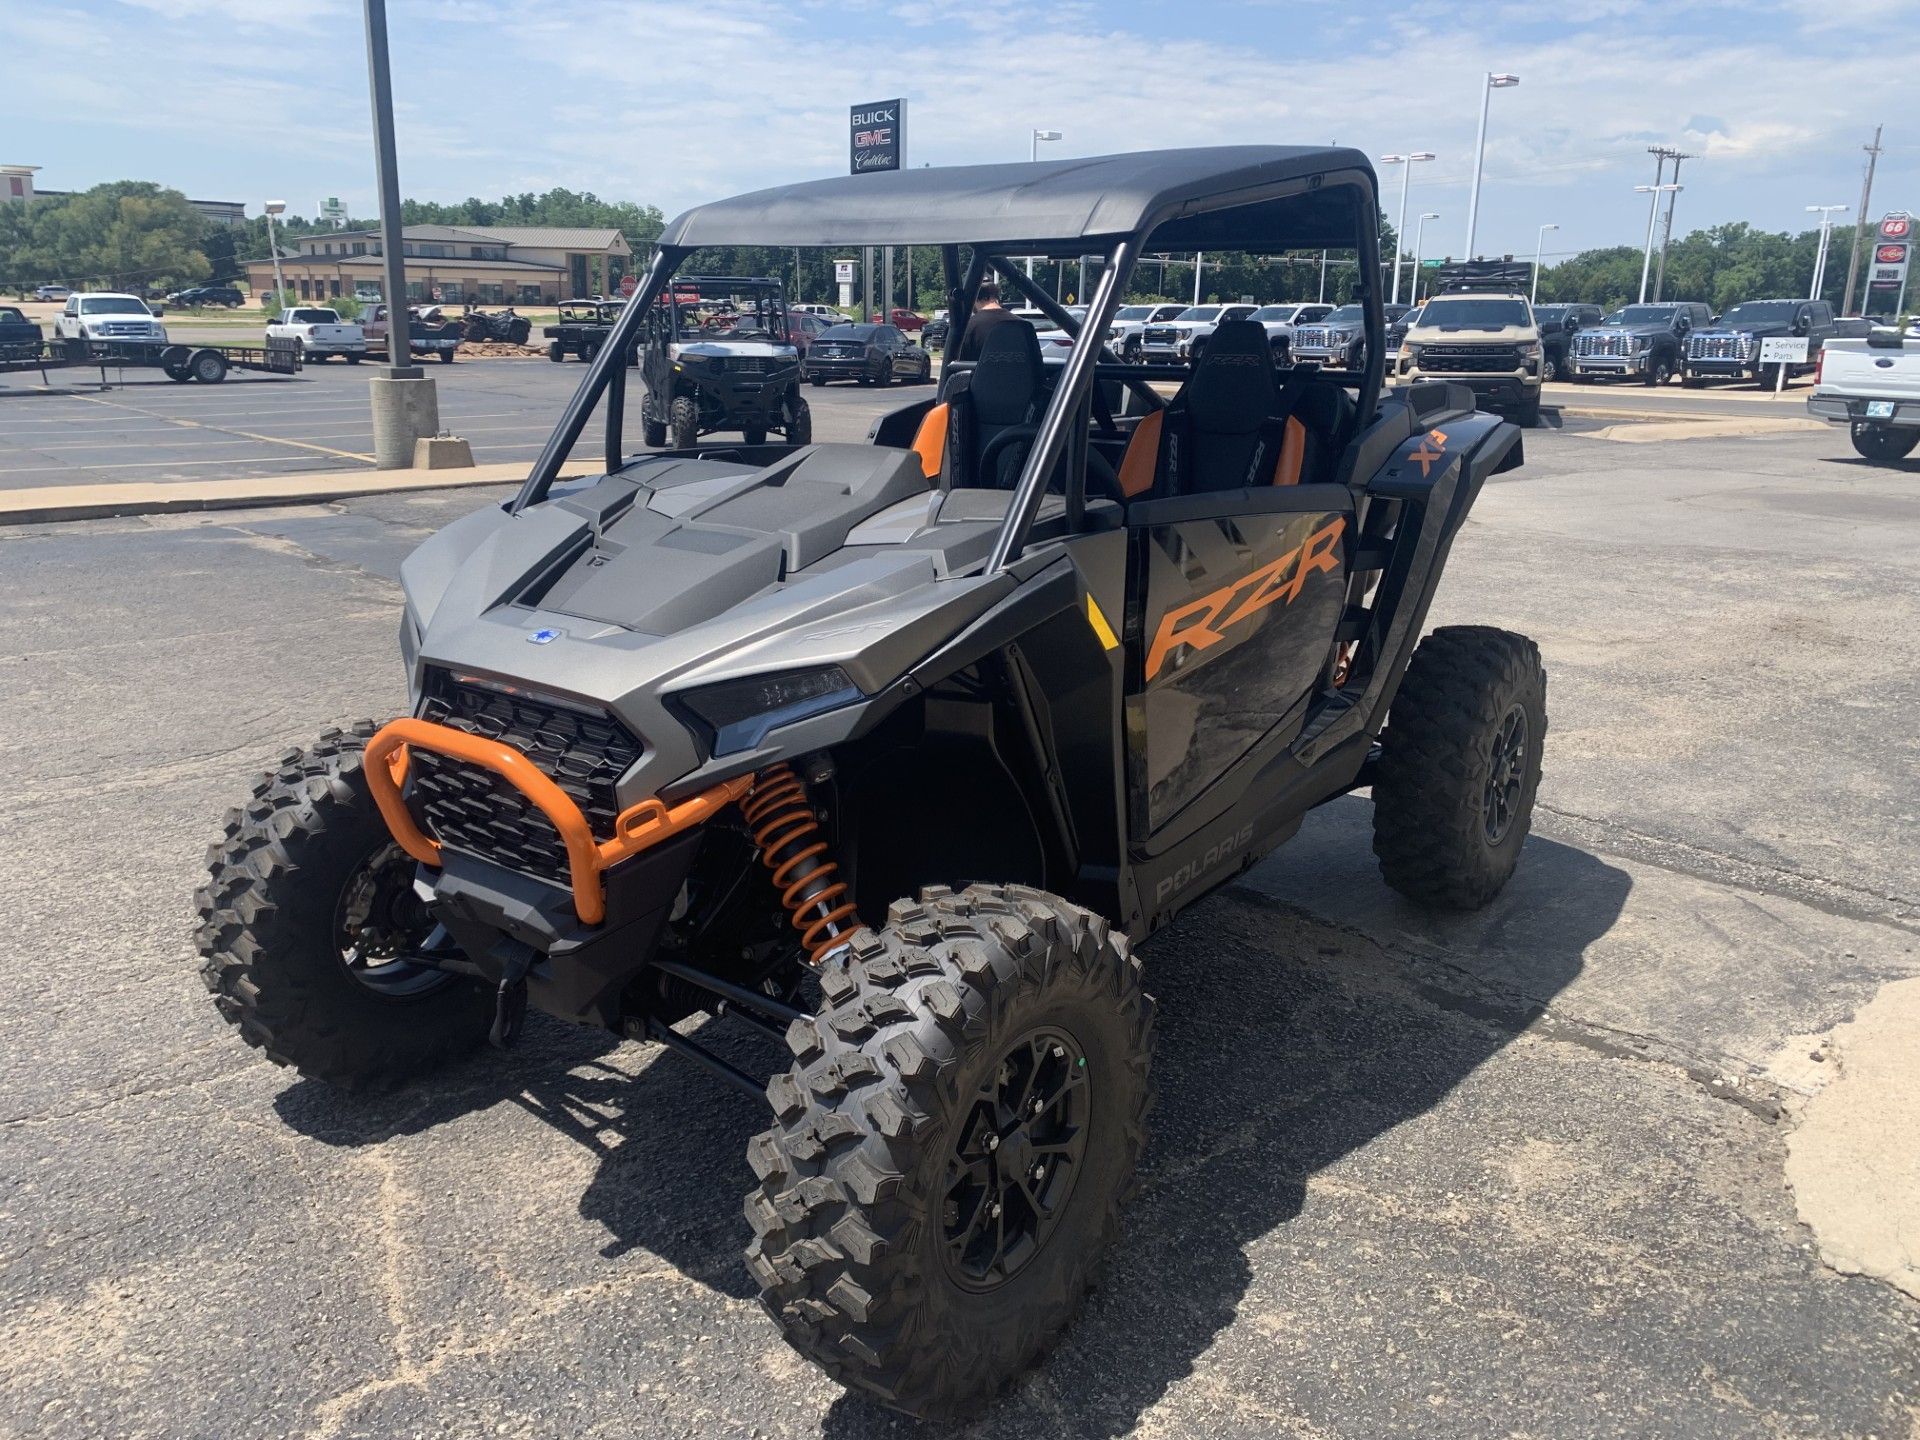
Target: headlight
{"x":1532,"y":351}
{"x":1413,"y":347}
{"x":739,"y":713}
{"x":1643,"y":342}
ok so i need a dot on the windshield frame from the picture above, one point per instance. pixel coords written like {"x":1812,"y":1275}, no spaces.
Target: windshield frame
{"x":1498,"y":304}
{"x":114,"y":305}
{"x":1790,"y":309}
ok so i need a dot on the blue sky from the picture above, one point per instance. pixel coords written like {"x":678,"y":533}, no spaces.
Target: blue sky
{"x":675,"y":103}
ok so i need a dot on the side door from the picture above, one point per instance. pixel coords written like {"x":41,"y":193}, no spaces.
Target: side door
{"x":894,"y":342}
{"x":1233,"y":602}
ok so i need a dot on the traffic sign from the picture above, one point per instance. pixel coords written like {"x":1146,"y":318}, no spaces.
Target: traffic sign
{"x":628,"y":285}
{"x":1431,"y":264}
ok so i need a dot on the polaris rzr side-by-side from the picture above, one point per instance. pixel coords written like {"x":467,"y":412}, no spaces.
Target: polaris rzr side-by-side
{"x":897,"y":750}
{"x":718,"y":354}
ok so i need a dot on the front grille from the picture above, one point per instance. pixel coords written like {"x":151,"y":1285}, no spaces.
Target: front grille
{"x":1159,"y":335}
{"x":1311,"y":337}
{"x":139,"y":328}
{"x":470,"y":808}
{"x":749,"y":364}
{"x":1721,"y":347}
{"x":1467,"y":359}
{"x":1595,"y":343}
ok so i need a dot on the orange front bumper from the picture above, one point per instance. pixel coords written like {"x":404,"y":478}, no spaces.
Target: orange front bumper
{"x":636,"y":829}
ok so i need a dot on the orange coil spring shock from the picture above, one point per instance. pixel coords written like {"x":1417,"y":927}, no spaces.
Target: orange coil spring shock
{"x":788,"y":837}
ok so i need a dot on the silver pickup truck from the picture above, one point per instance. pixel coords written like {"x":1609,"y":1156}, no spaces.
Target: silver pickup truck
{"x":1872,"y":386}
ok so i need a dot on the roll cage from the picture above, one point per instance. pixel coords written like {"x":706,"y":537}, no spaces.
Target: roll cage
{"x":1259,"y":199}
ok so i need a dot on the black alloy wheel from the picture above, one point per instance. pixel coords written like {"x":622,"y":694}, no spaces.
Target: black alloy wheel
{"x":1506,"y":774}
{"x":1015,"y":1160}
{"x":381,"y":928}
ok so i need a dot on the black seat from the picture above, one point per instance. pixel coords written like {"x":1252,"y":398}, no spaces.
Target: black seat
{"x":1000,"y":407}
{"x":1232,"y":409}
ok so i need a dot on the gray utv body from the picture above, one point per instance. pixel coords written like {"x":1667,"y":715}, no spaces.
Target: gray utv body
{"x":628,"y":595}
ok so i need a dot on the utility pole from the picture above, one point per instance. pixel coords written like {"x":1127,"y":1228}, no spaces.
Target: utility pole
{"x":406,"y":406}
{"x":1673,"y":200}
{"x":1861,"y":219}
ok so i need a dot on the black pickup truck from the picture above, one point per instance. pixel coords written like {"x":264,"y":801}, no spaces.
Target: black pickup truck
{"x":1730,"y":349}
{"x":1558,"y":325}
{"x":1647,"y":343}
{"x":17,"y":333}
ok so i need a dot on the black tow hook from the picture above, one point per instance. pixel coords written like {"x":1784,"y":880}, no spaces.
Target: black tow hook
{"x":510,"y":1000}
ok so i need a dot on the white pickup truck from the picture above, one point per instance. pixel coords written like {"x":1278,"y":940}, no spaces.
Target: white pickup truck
{"x":320,"y":332}
{"x":108,"y":317}
{"x":1872,"y":386}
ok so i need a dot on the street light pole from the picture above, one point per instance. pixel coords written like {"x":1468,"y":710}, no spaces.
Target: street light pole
{"x":1539,"y":240}
{"x":1495,"y":81}
{"x":1654,"y":192}
{"x":1419,"y":234}
{"x":273,"y":208}
{"x":1199,"y":262}
{"x":1400,"y":225}
{"x":1826,"y":214}
{"x":1034,"y":137}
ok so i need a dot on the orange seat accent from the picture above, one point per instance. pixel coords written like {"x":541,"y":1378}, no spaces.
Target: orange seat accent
{"x":1293,"y":453}
{"x":1137,"y":466}
{"x":639,"y":828}
{"x":930,"y":441}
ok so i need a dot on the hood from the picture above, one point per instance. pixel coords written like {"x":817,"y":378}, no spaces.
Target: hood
{"x":1646,"y":328}
{"x":624,"y":590}
{"x":1751,"y":332}
{"x":759,"y":349}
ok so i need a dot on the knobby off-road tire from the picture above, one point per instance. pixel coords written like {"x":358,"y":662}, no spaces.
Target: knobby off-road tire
{"x":799,"y":416}
{"x":1883,"y":444}
{"x":857,"y":1208}
{"x":683,"y":422}
{"x":269,"y":922}
{"x":1453,"y":793}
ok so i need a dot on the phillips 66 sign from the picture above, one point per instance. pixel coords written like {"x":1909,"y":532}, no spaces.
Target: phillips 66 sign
{"x":878,"y":136}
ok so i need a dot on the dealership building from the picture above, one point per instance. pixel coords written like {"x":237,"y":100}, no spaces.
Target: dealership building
{"x":486,"y":264}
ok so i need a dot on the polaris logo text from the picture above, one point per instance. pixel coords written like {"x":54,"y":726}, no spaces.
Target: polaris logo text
{"x":1194,"y":869}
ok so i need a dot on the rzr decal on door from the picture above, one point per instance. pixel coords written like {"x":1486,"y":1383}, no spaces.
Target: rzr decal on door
{"x":1202,"y":623}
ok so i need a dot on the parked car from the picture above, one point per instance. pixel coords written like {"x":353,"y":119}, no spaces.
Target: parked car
{"x":1178,"y":341}
{"x":1280,"y":321}
{"x":1643,"y":342}
{"x":906,"y":320}
{"x":18,"y":334}
{"x":429,"y":332}
{"x":1123,"y":335}
{"x":319,"y":332}
{"x":203,"y":295}
{"x":582,"y":327}
{"x":1483,"y":339}
{"x":1336,"y":343}
{"x":1872,"y":386}
{"x":804,"y":327}
{"x":51,"y":292}
{"x":823,"y":312}
{"x":1558,"y":325}
{"x":1397,"y":335}
{"x":721,"y":363}
{"x":871,"y":354}
{"x":1730,"y":348}
{"x":934,"y":337}
{"x":107,"y":316}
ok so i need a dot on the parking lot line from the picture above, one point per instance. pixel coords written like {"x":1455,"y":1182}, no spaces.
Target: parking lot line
{"x":248,"y":434}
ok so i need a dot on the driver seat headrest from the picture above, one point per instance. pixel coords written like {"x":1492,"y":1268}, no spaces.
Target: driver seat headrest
{"x":1007,"y":375}
{"x":1233,"y":389}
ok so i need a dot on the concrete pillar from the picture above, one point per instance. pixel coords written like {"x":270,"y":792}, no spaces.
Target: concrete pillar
{"x":406,"y":408}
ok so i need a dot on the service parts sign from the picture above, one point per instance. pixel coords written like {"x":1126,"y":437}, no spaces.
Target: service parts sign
{"x":878,"y":136}
{"x":1892,"y":253}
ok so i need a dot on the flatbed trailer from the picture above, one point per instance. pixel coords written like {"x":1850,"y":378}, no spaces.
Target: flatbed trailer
{"x":207,"y":364}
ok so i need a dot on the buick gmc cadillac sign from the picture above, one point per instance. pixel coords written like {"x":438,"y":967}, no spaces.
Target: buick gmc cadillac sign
{"x":878,"y":135}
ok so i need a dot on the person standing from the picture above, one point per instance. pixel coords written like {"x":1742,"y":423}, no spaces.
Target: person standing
{"x":987,"y":315}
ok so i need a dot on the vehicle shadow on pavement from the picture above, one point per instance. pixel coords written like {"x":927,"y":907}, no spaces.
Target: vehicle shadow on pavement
{"x":1285,"y":1043}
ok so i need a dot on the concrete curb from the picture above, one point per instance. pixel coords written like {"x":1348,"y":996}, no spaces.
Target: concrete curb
{"x":46,"y":504}
{"x":1725,"y":427}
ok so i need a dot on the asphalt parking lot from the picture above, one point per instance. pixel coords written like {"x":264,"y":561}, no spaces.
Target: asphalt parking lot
{"x":147,"y":428}
{"x":1562,"y":1168}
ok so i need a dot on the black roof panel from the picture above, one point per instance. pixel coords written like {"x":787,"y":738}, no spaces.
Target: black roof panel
{"x":1286,"y":196}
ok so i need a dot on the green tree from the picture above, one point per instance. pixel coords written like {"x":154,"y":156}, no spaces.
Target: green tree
{"x":128,"y":234}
